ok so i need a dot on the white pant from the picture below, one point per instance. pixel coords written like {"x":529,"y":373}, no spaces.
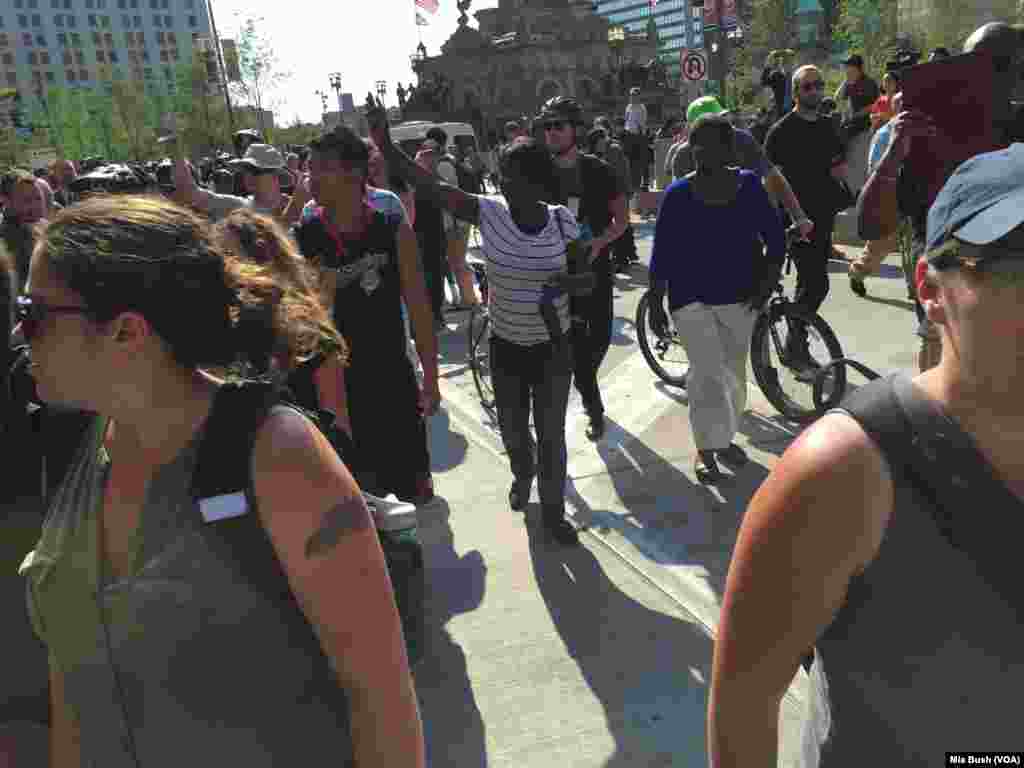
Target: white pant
{"x":717,"y":341}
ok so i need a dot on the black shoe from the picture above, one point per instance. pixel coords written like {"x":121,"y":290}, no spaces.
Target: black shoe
{"x":857,"y":286}
{"x":706,"y":468}
{"x":734,"y":456}
{"x":519,"y":496}
{"x":596,"y":429}
{"x":622,"y":267}
{"x":561,"y":530}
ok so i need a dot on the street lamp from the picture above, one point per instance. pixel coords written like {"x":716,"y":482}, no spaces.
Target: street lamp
{"x":382,"y":89}
{"x":617,"y":41}
{"x":418,"y":58}
{"x":323,"y":103}
{"x":335,"y":78}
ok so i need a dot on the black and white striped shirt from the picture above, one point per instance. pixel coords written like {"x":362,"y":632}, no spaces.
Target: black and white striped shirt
{"x":518,"y":266}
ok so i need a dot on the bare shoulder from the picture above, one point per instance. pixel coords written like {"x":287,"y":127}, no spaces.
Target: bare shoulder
{"x":833,"y":481}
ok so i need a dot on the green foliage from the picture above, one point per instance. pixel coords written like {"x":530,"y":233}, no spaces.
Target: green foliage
{"x":259,"y":67}
{"x":868,"y":27}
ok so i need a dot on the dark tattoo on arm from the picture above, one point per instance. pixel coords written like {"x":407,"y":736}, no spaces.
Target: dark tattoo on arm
{"x":348,"y":516}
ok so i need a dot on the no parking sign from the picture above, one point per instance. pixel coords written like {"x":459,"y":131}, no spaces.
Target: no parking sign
{"x":693,"y":65}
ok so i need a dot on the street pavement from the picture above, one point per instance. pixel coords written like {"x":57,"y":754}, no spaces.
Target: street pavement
{"x":540,"y":656}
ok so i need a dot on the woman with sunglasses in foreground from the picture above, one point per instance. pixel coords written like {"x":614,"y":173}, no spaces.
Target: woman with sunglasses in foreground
{"x":525,"y":241}
{"x":162,"y":649}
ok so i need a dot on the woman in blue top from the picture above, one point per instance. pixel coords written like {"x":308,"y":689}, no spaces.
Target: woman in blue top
{"x":709,"y":250}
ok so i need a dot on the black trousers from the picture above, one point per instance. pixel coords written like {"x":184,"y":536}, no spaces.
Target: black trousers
{"x":591,"y":335}
{"x":433,"y":253}
{"x":811,"y":260}
{"x":625,"y":247}
{"x":388,"y":433}
{"x":537,"y":375}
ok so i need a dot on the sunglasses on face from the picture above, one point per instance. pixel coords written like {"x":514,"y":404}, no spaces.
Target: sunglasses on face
{"x":813,"y":85}
{"x":30,"y":313}
{"x":555,"y":125}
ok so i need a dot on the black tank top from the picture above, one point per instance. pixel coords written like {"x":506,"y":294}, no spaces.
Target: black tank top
{"x":927,"y":653}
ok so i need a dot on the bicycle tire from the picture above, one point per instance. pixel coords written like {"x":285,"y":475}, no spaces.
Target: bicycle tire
{"x":479,"y":360}
{"x":643,"y":340}
{"x":767,"y":376}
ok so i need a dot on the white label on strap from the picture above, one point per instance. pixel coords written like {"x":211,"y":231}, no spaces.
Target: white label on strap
{"x":223,"y":507}
{"x":574,"y":206}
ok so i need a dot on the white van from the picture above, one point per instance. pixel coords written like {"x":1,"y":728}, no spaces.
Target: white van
{"x":410,"y":135}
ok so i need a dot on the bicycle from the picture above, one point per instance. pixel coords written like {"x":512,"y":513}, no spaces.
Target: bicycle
{"x":776,"y":321}
{"x":479,"y":330}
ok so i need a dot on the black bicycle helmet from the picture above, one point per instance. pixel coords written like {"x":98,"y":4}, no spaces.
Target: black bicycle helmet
{"x":114,"y":179}
{"x":562,"y":108}
{"x":243,"y":138}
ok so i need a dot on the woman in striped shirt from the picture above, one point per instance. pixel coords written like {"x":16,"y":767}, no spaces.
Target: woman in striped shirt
{"x":525,"y":243}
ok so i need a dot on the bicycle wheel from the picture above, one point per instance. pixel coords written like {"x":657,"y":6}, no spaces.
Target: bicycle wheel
{"x":480,"y":356}
{"x":789,"y":388}
{"x":664,"y":354}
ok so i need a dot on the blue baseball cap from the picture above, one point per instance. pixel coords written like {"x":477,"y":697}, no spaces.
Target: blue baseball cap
{"x":982,"y":201}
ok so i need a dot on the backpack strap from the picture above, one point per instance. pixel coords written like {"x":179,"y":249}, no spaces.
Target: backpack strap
{"x":972,"y":508}
{"x":222,"y":486}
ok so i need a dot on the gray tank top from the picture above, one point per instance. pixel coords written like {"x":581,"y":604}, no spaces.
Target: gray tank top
{"x":924,"y":657}
{"x":182,"y":663}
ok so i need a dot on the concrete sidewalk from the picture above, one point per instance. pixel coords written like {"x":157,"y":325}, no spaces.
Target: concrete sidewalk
{"x":595,"y":656}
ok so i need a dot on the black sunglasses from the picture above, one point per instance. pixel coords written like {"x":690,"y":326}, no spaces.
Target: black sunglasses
{"x":813,"y":85}
{"x":30,"y":314}
{"x":555,"y":125}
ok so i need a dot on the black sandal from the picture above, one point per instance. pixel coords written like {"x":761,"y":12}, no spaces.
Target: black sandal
{"x":706,"y":468}
{"x":734,"y":456}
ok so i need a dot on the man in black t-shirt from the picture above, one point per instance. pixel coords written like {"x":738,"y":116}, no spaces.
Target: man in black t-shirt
{"x":595,"y":195}
{"x":891,"y":195}
{"x":808,"y":152}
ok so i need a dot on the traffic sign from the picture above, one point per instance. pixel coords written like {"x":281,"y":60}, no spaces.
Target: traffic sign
{"x":693,"y":65}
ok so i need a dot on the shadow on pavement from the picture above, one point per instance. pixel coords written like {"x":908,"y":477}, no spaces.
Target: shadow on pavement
{"x":885,"y":271}
{"x":670,"y":518}
{"x":447,"y":448}
{"x":454,"y":728}
{"x":648,"y":669}
{"x":898,"y":303}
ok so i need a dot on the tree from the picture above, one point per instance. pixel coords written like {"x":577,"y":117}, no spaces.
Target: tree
{"x":773,"y":25}
{"x":202,"y":114}
{"x":869,"y":27}
{"x":129,"y":98}
{"x":830,"y":10}
{"x":259,"y":66}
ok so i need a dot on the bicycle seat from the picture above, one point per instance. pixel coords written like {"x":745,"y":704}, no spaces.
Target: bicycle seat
{"x":390,"y":514}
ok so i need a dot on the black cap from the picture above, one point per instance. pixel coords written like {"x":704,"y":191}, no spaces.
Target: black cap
{"x":856,"y":60}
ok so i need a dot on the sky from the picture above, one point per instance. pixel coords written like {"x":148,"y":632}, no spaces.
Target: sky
{"x":364,"y":40}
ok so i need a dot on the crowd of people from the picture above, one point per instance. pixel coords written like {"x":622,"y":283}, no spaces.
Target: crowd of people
{"x":216,"y":368}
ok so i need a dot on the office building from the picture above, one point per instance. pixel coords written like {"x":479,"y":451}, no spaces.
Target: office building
{"x":47,"y":44}
{"x":672,"y":18}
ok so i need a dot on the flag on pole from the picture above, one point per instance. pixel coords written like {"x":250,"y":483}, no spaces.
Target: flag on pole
{"x":421,"y":20}
{"x":430,"y":6}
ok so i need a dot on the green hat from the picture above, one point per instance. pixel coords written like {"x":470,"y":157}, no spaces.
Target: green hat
{"x":705,"y":105}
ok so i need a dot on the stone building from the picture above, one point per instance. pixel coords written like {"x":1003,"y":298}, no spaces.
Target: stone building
{"x":528,"y":51}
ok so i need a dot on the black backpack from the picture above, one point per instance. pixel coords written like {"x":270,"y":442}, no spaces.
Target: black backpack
{"x":223,"y":467}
